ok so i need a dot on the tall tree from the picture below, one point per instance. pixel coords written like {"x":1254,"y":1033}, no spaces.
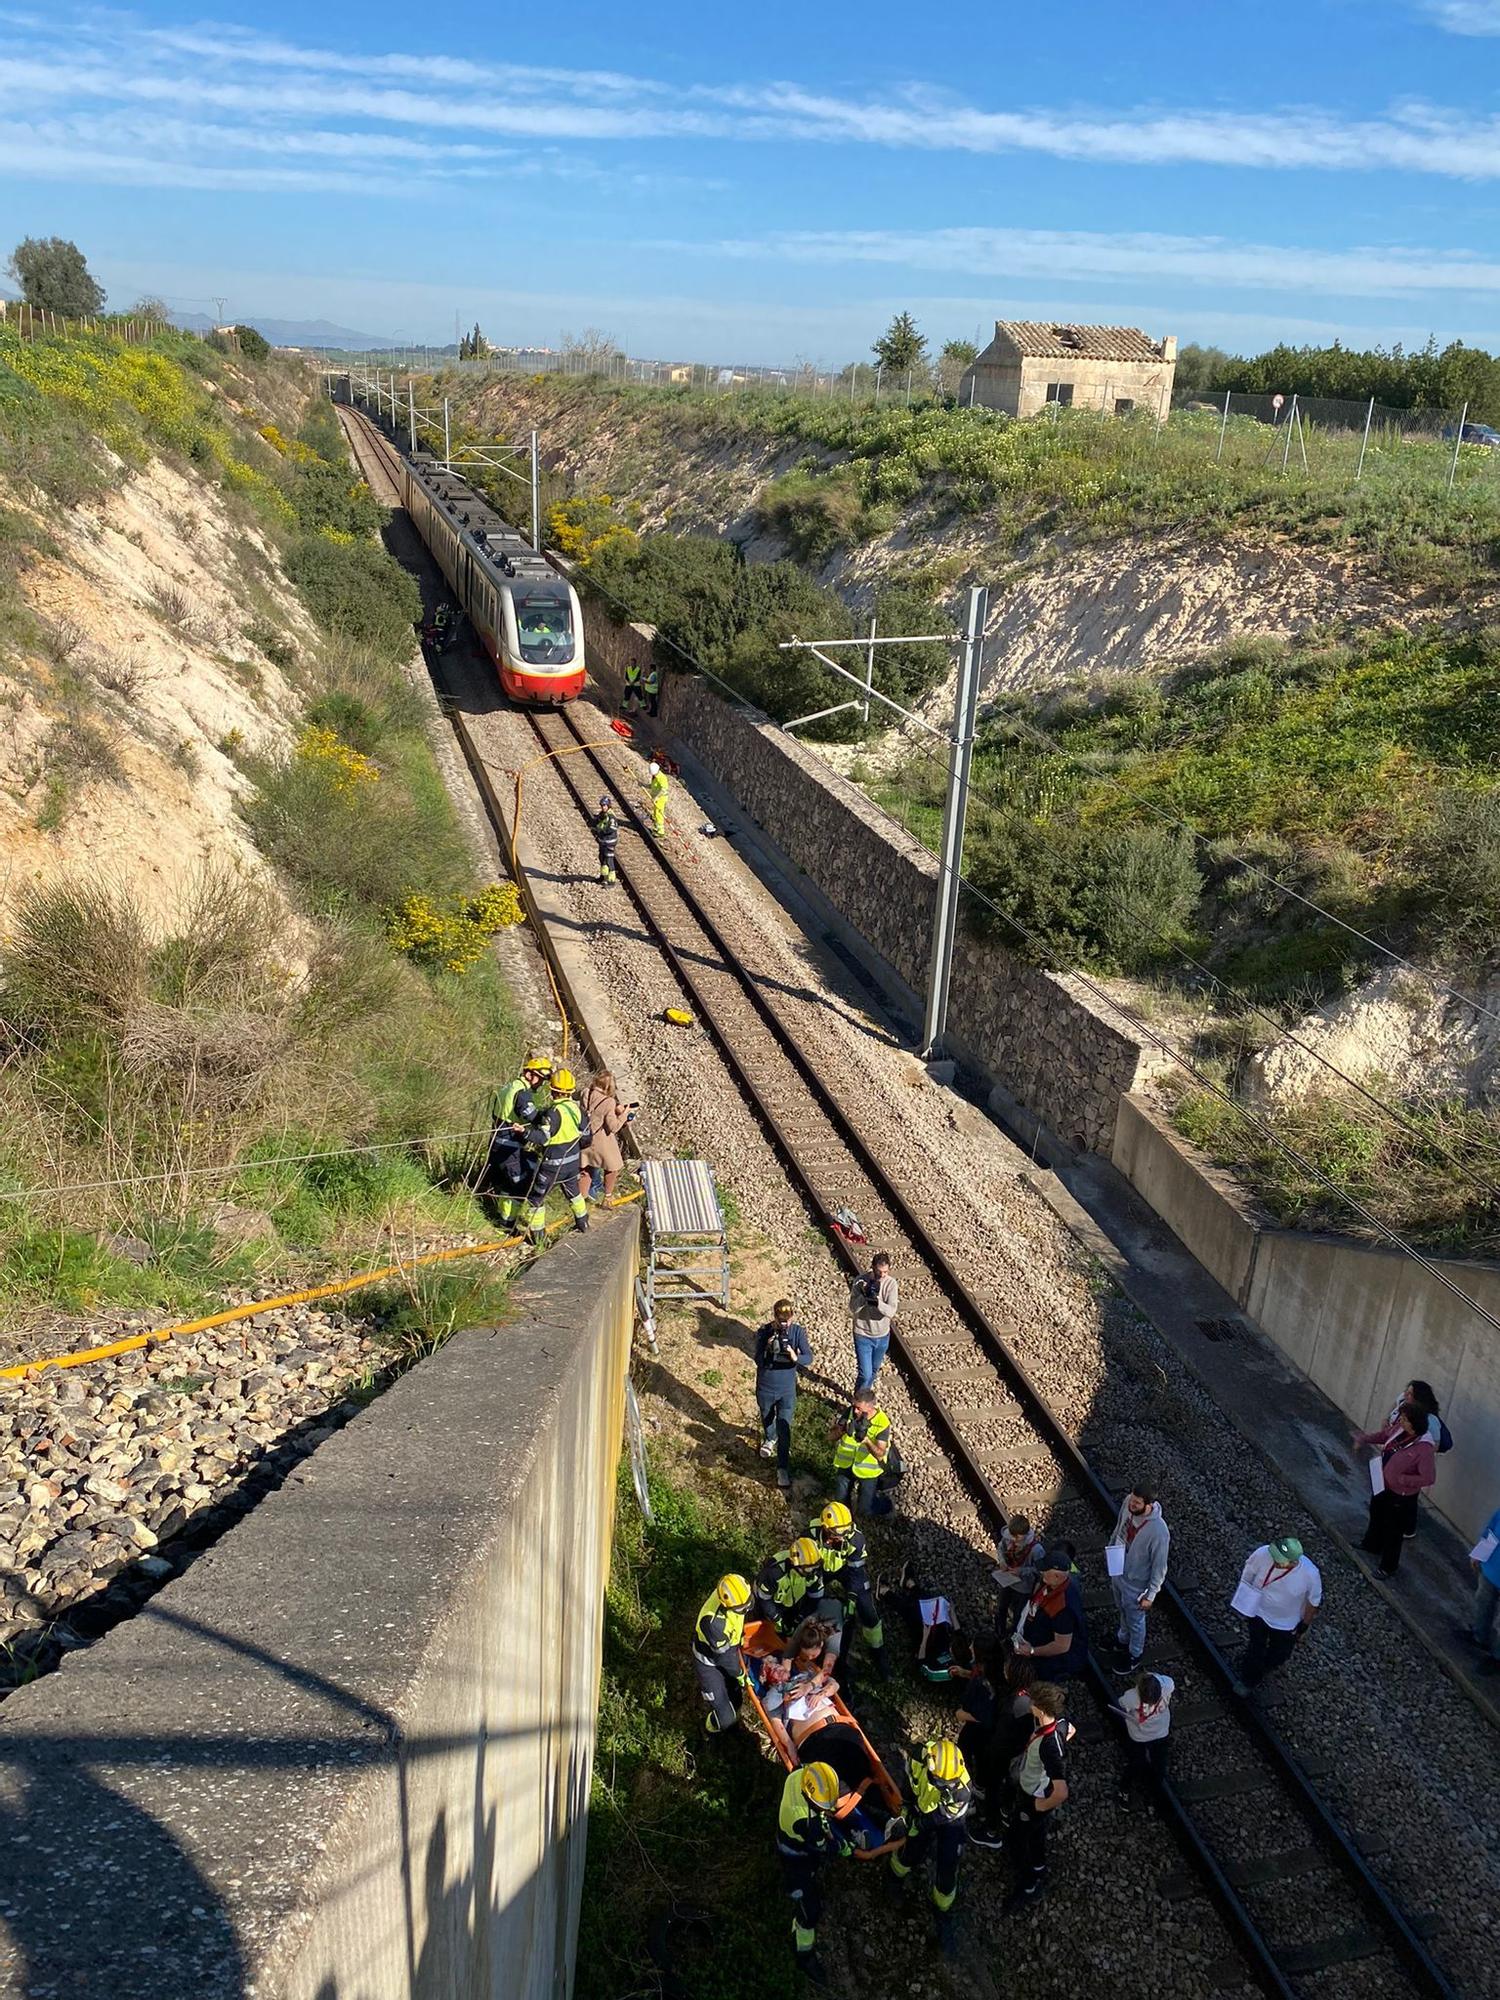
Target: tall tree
{"x":53,"y":277}
{"x":953,"y":358}
{"x":901,"y":346}
{"x":961,"y":351}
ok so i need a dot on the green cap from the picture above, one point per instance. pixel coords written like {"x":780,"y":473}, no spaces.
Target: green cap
{"x":1286,"y":1549}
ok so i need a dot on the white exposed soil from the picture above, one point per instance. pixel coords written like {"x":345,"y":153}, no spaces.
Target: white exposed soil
{"x":1397,"y":1031}
{"x":171,"y":692}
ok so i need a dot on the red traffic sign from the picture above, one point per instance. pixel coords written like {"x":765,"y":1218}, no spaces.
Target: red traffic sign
{"x":1277,"y":401}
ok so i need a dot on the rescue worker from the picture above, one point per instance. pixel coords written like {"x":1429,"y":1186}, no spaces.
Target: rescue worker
{"x":656,"y":785}
{"x":847,"y":1577}
{"x":791,"y":1586}
{"x":718,"y":1663}
{"x":651,"y":683}
{"x":606,"y":831}
{"x":941,"y":1797}
{"x":633,"y":690}
{"x":553,"y":1145}
{"x":514,"y":1107}
{"x":866,"y":1463}
{"x":806,"y":1835}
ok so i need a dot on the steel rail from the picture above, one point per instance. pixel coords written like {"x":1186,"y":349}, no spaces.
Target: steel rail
{"x":1427,"y":1976}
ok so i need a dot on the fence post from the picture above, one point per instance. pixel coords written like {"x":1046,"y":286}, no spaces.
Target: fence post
{"x":1223,"y":426}
{"x":1364,"y":442}
{"x":1458,"y":438}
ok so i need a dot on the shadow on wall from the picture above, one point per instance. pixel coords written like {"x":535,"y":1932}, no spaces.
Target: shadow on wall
{"x":100,"y":1901}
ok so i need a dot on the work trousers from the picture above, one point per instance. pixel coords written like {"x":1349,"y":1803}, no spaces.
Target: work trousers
{"x":632,"y":698}
{"x":776,"y":1401}
{"x":866,"y":1496}
{"x":1265,"y":1650}
{"x":870,"y":1350}
{"x":1145,"y":1766}
{"x":1486,"y":1604}
{"x":721,"y":1694}
{"x":861,"y":1599}
{"x":799,"y":1874}
{"x":943,"y":1839}
{"x":566,"y":1174}
{"x":507,"y":1173}
{"x":659,"y":814}
{"x":1026,"y":1836}
{"x":607,"y":864}
{"x":1132,"y":1627}
{"x":1392,"y":1517}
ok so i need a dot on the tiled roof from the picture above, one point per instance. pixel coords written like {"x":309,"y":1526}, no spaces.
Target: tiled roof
{"x":1037,"y":339}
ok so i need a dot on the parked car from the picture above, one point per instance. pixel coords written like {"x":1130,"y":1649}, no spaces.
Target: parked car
{"x":1485,"y":434}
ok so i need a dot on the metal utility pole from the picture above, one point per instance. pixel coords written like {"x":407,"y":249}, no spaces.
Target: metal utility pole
{"x":960,"y":765}
{"x":1223,"y":426}
{"x":955,"y":814}
{"x":411,"y":416}
{"x":1458,"y":438}
{"x":536,"y":520}
{"x":1364,"y":443}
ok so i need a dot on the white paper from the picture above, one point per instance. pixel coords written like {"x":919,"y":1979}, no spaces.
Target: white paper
{"x":1483,"y":1549}
{"x":935,"y":1610}
{"x":1114,"y":1558}
{"x":1377,"y":1474}
{"x":1246,"y":1600}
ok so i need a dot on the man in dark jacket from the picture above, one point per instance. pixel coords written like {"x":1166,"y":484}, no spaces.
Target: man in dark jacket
{"x":606,"y":831}
{"x":781,"y":1349}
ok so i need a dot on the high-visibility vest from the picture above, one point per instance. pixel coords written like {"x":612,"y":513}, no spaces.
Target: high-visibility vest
{"x":563,"y":1125}
{"x":801,"y":1828}
{"x":853,"y":1454}
{"x":653,"y":679}
{"x":632,"y":673}
{"x":849,"y":1553}
{"x":787,"y":1587}
{"x":718,"y":1630}
{"x":658,"y":783}
{"x":515,"y":1104}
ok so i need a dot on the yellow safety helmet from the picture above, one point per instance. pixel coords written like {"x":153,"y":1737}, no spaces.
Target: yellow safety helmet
{"x":944,"y":1761}
{"x":537,"y":1066}
{"x":803,"y":1554}
{"x":733,"y":1592}
{"x":820,"y":1786}
{"x":563,"y":1082}
{"x":835,"y":1517}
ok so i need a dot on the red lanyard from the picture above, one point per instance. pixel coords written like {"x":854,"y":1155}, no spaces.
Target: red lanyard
{"x":1276,"y":1570}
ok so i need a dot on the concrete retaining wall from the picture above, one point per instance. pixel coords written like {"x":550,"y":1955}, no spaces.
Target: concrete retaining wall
{"x":346,"y":1755}
{"x":1357,"y":1320}
{"x":1048,"y":1044}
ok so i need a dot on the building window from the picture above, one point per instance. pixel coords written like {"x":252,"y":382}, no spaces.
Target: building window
{"x":1060,"y":392}
{"x":1124,"y":405}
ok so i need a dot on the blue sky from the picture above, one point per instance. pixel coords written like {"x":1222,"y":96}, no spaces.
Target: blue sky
{"x":770,"y":183}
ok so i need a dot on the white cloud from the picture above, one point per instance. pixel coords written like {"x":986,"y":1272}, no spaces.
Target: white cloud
{"x":1465,"y":17}
{"x":272,"y":83}
{"x":1070,"y":255}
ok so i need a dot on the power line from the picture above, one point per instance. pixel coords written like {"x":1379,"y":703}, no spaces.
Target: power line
{"x":236,"y":1166}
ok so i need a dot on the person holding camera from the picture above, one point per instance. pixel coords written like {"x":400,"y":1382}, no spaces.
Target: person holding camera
{"x":866,"y":1462}
{"x":781,"y":1348}
{"x":606,"y":1115}
{"x":873,"y":1299}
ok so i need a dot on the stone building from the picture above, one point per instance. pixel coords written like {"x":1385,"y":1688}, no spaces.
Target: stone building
{"x":1031,"y":363}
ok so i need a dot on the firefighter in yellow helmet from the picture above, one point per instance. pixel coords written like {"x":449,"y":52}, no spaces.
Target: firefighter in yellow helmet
{"x":846,"y":1576}
{"x":513,"y":1107}
{"x":554,"y":1147}
{"x":806,"y":1835}
{"x":941,"y":1797}
{"x":791,"y":1586}
{"x":718,"y":1662}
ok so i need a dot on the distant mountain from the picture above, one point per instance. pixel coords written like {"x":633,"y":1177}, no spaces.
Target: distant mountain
{"x":295,"y":332}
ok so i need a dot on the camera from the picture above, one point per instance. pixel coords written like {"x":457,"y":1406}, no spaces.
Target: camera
{"x":860,"y":1428}
{"x":871,"y":1289}
{"x":780,"y":1353}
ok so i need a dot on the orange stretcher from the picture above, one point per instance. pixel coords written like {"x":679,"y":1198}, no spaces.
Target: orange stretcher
{"x":869,"y":1800}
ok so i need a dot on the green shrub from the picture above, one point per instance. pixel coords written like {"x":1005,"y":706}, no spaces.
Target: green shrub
{"x":813,"y":513}
{"x":1455,"y":858}
{"x":356,"y":593}
{"x":1116,"y":899}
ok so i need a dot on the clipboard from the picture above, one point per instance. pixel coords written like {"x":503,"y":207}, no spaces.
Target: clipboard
{"x":1377,"y":1474}
{"x":1114,"y":1558}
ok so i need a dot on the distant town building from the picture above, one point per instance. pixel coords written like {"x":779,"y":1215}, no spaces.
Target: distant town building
{"x":1031,"y":363}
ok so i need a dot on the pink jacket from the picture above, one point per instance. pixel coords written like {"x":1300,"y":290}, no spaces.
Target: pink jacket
{"x":1410,"y":1465}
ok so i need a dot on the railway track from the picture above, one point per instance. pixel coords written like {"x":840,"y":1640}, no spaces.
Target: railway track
{"x":1307,"y":1911}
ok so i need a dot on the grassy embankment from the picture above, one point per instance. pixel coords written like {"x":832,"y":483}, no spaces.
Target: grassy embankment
{"x":677,"y":1823}
{"x":185,"y":1063}
{"x":1363,"y":776}
{"x":1077,"y":473}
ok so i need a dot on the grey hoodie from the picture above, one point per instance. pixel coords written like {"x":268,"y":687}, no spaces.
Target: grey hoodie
{"x":1146,"y":1557}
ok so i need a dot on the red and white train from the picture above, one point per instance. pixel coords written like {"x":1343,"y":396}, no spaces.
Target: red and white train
{"x":526,"y":615}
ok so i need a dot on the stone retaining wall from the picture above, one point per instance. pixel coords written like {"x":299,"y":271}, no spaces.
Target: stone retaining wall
{"x":346,"y":1754}
{"x":1039,"y":1036}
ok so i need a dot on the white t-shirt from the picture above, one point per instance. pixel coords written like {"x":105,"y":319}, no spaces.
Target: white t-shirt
{"x":1147,"y":1726}
{"x":1284,"y":1593}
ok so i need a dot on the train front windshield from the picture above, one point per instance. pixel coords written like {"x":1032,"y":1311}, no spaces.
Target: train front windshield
{"x":544,"y":629}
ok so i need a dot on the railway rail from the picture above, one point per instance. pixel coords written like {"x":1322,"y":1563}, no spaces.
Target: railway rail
{"x":1007,"y":1441}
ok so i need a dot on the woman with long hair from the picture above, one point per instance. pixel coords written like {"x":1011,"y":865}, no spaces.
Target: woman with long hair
{"x":605,"y":1116}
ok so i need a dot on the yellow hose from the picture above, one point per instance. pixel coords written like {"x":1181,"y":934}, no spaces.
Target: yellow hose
{"x":259,"y":1306}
